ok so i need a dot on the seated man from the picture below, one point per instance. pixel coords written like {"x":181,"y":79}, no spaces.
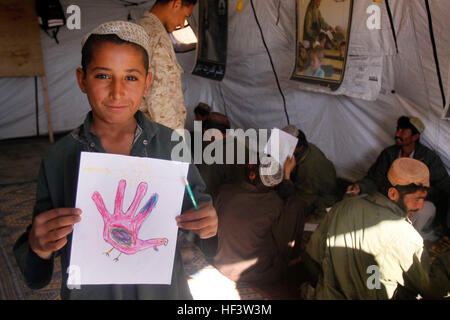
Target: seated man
{"x":202,"y":111}
{"x":407,"y":144}
{"x":309,"y":175}
{"x":217,"y":120}
{"x":254,"y":230}
{"x":366,"y":247}
{"x":214,"y":167}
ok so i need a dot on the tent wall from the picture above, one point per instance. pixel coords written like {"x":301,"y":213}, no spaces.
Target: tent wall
{"x":349,"y":130}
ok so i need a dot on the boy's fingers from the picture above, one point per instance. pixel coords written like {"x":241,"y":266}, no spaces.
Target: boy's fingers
{"x":204,"y":210}
{"x":55,"y":213}
{"x":61,"y":222}
{"x":196,"y":225}
{"x":192,"y":216}
{"x":207,"y":233}
{"x":56,"y":245}
{"x":58,"y":234}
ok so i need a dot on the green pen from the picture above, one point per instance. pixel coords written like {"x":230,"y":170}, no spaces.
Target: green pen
{"x":190,"y":193}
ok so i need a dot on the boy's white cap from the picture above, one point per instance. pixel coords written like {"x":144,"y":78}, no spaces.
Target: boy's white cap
{"x":125,"y":30}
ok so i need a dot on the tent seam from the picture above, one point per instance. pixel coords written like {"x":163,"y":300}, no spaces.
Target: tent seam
{"x":429,"y":109}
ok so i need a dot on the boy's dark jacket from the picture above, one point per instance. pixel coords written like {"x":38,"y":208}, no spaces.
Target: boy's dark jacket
{"x":56,"y":188}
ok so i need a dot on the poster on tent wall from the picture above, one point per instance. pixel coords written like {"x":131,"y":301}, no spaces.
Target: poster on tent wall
{"x":323,"y":30}
{"x":212,"y":39}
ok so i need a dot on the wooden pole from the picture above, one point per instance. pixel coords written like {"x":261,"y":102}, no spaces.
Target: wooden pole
{"x":47,"y":109}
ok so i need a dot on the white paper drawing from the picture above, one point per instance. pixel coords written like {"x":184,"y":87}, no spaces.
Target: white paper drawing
{"x":280,"y":145}
{"x":127,"y":233}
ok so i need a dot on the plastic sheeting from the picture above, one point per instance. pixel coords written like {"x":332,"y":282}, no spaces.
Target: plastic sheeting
{"x":351,"y":131}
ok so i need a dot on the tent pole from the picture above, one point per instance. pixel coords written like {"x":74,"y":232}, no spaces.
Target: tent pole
{"x":388,"y":9}
{"x":435,"y":54}
{"x":47,"y":109}
{"x":36,"y":103}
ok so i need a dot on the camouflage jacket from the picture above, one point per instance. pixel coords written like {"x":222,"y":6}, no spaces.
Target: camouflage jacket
{"x":164,"y":103}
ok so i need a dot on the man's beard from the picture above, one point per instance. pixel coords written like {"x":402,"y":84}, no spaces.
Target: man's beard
{"x":401,"y":204}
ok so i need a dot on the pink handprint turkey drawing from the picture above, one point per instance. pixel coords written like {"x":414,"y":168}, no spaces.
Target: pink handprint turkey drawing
{"x":121,"y":229}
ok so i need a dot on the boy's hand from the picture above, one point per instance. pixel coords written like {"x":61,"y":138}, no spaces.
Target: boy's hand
{"x":203,"y":222}
{"x":49,"y":230}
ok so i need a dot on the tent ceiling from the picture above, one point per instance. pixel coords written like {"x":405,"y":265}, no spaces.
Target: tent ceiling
{"x":351,"y":131}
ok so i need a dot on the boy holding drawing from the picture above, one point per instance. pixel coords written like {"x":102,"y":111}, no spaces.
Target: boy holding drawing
{"x":115,"y":78}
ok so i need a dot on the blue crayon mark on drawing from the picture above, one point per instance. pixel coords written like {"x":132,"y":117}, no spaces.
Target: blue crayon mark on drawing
{"x":121,"y":236}
{"x":150,"y":204}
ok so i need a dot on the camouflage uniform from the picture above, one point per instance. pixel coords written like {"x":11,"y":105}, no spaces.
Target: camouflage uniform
{"x":164,"y":103}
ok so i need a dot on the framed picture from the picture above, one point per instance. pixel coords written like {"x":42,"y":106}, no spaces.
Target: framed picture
{"x":212,"y":39}
{"x":323,"y":31}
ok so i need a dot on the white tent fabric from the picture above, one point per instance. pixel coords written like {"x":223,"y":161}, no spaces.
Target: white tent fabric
{"x":351,"y":131}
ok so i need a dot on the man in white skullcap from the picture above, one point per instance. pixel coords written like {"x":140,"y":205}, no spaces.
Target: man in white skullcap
{"x":367,"y":248}
{"x":165,"y":102}
{"x":114,"y":76}
{"x":255,"y":230}
{"x":407,"y":144}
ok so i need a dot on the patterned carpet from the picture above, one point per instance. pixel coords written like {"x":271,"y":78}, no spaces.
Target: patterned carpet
{"x":16,"y":203}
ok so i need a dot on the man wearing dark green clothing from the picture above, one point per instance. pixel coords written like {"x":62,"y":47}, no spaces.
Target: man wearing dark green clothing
{"x":366,"y":247}
{"x":407,"y":144}
{"x":309,"y":175}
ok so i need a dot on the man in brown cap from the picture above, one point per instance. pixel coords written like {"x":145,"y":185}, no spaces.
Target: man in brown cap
{"x":367,"y":248}
{"x":256,"y":228}
{"x":407,"y":144}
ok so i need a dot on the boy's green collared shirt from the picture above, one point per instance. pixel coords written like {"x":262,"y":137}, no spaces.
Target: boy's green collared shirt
{"x":56,"y":187}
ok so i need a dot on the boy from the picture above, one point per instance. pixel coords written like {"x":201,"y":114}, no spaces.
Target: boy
{"x":115,"y":78}
{"x":315,"y":69}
